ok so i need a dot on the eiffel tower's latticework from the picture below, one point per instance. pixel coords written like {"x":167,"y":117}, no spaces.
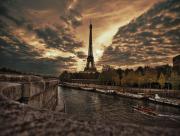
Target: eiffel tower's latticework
{"x":90,"y":66}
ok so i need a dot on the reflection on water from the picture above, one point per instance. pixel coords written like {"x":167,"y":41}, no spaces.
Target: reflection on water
{"x":85,"y":105}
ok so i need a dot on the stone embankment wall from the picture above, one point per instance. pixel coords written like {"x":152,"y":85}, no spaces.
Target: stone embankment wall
{"x":33,"y":90}
{"x":19,"y":119}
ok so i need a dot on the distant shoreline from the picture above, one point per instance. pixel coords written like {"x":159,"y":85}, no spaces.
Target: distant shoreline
{"x":139,"y":94}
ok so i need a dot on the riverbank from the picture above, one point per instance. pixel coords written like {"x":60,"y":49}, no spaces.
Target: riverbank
{"x":134,"y":93}
{"x":19,"y":119}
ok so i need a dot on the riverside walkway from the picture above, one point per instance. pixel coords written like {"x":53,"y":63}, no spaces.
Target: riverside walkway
{"x":18,"y":119}
{"x":170,"y":97}
{"x":22,"y":120}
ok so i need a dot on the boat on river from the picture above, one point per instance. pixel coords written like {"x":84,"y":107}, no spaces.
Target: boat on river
{"x":87,"y":88}
{"x":111,"y":92}
{"x":130,"y":95}
{"x":100,"y":90}
{"x":105,"y":91}
{"x":164,"y":101}
{"x":146,"y":110}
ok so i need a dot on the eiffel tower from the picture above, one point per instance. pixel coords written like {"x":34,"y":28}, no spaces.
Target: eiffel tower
{"x":90,"y":66}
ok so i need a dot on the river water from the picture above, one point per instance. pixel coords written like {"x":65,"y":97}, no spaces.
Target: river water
{"x":91,"y":106}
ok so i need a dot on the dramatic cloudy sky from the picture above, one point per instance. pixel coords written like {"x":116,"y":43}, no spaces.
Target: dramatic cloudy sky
{"x":151,"y":39}
{"x":49,"y":36}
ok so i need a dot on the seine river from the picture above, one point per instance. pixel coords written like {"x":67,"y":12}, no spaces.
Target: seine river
{"x":90,"y":106}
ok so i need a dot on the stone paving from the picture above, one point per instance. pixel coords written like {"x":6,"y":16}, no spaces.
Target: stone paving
{"x":22,"y":120}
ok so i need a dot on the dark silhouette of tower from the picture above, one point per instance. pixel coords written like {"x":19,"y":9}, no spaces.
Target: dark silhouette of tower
{"x":90,"y":66}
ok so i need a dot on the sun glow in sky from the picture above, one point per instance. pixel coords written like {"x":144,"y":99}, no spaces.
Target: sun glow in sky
{"x":39,"y":45}
{"x":54,"y":53}
{"x":104,"y":40}
{"x":58,"y":31}
{"x":106,"y":22}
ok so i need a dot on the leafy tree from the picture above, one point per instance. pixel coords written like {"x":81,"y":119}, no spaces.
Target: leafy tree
{"x":161,"y":80}
{"x":131,"y":79}
{"x":65,"y":76}
{"x":150,"y":77}
{"x":140,"y":80}
{"x":109,"y":76}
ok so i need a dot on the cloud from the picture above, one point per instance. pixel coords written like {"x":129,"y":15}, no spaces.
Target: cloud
{"x":30,"y":60}
{"x":59,"y":39}
{"x":81,"y":55}
{"x":72,"y":17}
{"x":151,"y":39}
{"x":48,"y":48}
{"x":55,"y":32}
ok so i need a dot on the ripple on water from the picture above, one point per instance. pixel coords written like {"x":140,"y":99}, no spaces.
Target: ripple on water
{"x":85,"y":105}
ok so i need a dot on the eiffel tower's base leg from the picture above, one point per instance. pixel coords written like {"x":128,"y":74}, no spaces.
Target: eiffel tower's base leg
{"x":90,"y":66}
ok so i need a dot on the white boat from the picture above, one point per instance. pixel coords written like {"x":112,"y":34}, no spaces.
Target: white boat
{"x":87,"y":88}
{"x":100,"y":90}
{"x":111,"y":91}
{"x":136,"y":96}
{"x":164,"y":100}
